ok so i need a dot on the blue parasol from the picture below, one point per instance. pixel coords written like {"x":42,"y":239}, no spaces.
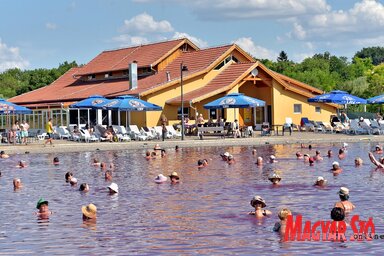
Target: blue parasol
{"x":92,"y":102}
{"x":338,"y":97}
{"x":130,"y":103}
{"x":376,"y":100}
{"x":235,"y":100}
{"x":7,"y":107}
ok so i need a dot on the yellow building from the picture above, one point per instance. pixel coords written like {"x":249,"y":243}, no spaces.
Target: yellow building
{"x":207,"y":74}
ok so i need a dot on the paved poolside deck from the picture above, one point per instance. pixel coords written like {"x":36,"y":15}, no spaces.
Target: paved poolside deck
{"x":190,"y":141}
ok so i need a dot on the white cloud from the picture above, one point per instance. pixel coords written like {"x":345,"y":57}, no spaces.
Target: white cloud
{"x":145,"y":24}
{"x":10,"y":58}
{"x":199,"y":42}
{"x":218,"y":9}
{"x":127,"y":40}
{"x":247,"y":44}
{"x":364,"y":19}
{"x":50,"y":26}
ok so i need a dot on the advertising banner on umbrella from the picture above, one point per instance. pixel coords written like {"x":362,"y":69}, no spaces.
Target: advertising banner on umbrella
{"x":235,"y":100}
{"x":92,"y":102}
{"x":7,"y":107}
{"x":376,"y":100}
{"x":131,"y":103}
{"x":338,"y":97}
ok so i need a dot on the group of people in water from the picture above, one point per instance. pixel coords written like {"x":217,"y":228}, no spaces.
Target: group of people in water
{"x":340,"y":209}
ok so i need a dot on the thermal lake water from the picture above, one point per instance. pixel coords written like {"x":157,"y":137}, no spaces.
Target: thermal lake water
{"x":205,"y":214}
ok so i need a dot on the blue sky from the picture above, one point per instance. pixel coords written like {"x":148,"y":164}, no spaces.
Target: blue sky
{"x":44,"y":33}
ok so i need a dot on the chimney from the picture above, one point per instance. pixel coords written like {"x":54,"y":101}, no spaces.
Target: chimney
{"x":133,"y":75}
{"x":168,"y":76}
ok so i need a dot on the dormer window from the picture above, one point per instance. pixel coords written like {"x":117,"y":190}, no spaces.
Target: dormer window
{"x":91,"y":77}
{"x":226,"y":61}
{"x":109,"y":74}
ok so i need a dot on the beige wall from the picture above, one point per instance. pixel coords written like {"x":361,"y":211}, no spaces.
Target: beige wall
{"x":284,"y":100}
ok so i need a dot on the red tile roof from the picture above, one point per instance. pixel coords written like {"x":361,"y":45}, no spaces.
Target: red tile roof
{"x":145,"y":55}
{"x":220,"y":83}
{"x":69,"y":88}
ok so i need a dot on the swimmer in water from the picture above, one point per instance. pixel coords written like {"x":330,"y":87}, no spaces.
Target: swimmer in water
{"x":379,"y":163}
{"x":258,"y":203}
{"x":84,"y":187}
{"x":275,"y":179}
{"x":341,"y":153}
{"x":231,"y":159}
{"x":3,"y":155}
{"x":281,"y":225}
{"x":318,"y":156}
{"x":299,"y":155}
{"x":42,"y":206}
{"x":321,"y":182}
{"x":272,"y":159}
{"x":56,"y":160}
{"x":378,"y":149}
{"x":358,"y":162}
{"x":174,"y":177}
{"x":344,"y":203}
{"x":17,"y":183}
{"x":259,"y":161}
{"x":336,"y":168}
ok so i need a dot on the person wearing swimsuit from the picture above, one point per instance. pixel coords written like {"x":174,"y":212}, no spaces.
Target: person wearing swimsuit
{"x":258,"y":203}
{"x":346,"y":205}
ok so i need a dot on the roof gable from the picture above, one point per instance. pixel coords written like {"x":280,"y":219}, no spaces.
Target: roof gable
{"x":145,"y":55}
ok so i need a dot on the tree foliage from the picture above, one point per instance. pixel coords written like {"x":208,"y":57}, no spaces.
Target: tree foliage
{"x":375,"y":53}
{"x":15,"y":81}
{"x":328,"y":72}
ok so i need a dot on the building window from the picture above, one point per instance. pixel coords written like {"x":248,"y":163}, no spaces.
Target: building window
{"x":213,"y":113}
{"x":91,"y":77}
{"x":186,"y":113}
{"x":109,"y":74}
{"x":318,"y":109}
{"x":227,"y":60}
{"x":297,"y":108}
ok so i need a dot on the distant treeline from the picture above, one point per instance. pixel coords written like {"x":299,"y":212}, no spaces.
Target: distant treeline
{"x":363,"y":76}
{"x":15,"y":81}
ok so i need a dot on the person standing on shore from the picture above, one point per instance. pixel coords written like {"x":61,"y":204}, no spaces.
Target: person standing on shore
{"x":164,"y":122}
{"x":24,"y":126}
{"x":49,"y":131}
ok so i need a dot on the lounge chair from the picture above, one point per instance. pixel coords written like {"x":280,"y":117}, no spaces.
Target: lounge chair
{"x":354,"y":128}
{"x":375,"y":125}
{"x":135,"y":133}
{"x":327,"y":127}
{"x":173,"y":132}
{"x":306,"y":124}
{"x":121,"y":133}
{"x":84,"y":135}
{"x":147,"y":132}
{"x":63,"y":133}
{"x":159,"y":131}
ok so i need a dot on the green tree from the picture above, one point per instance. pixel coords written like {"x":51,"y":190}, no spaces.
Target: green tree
{"x":375,"y":53}
{"x":282,"y":56}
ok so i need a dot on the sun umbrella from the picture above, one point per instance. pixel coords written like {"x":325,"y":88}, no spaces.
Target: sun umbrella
{"x":234,"y":100}
{"x":338,"y":97}
{"x":130,"y":103}
{"x":93,"y":102}
{"x":7,"y":107}
{"x":376,"y":100}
